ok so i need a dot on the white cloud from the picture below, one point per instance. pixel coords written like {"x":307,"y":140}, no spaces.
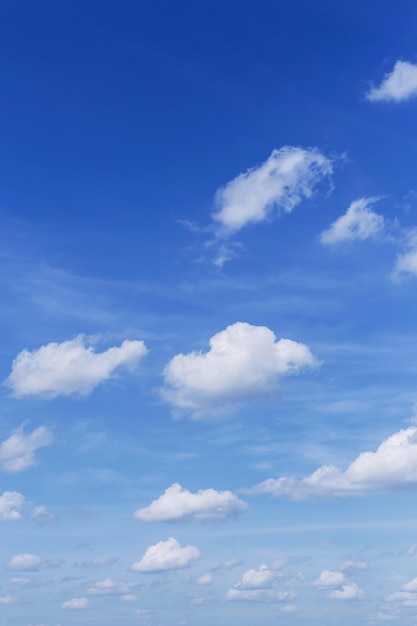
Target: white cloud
{"x":129,"y":597}
{"x":41,"y":515}
{"x":259,"y":595}
{"x":177,"y":503}
{"x":393,"y":466}
{"x":359,"y":222}
{"x":205,"y":579}
{"x":279,"y":184}
{"x":76,"y":603}
{"x":70,"y":367}
{"x":110,"y":586}
{"x":348,"y":566}
{"x":24,"y":563}
{"x":244,"y":362}
{"x":329,"y":580}
{"x":407,"y":262}
{"x":399,"y":85}
{"x":11,"y":502}
{"x":350,"y":591}
{"x":261,"y":578}
{"x":7,"y":599}
{"x":166,"y":555}
{"x":411,"y":586}
{"x":17,"y":453}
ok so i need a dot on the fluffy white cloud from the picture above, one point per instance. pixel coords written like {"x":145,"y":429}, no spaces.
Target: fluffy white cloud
{"x":261,"y":578}
{"x":392,"y":466}
{"x":177,"y":503}
{"x":259,"y":595}
{"x":166,"y":555}
{"x":329,"y":580}
{"x":17,"y":453}
{"x":70,"y":367}
{"x":24,"y":563}
{"x":205,"y":579}
{"x":398,"y":85}
{"x":407,"y":262}
{"x":110,"y":586}
{"x":76,"y":603}
{"x":41,"y":515}
{"x":243,"y":362}
{"x":280,"y":183}
{"x":11,"y":503}
{"x":350,"y":591}
{"x":359,"y":222}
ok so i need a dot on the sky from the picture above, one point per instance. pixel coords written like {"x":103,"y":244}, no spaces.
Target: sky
{"x":208,"y":281}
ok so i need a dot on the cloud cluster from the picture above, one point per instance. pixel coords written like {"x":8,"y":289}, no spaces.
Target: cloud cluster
{"x":398,"y":85}
{"x":392,"y":466}
{"x":359,"y":222}
{"x":340,"y":588}
{"x":17,"y":453}
{"x":166,"y":555}
{"x":288,"y":176}
{"x":177,"y":503}
{"x":70,"y":367}
{"x":244,"y":362}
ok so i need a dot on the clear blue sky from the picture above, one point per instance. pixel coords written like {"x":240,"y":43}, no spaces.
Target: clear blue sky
{"x":208,"y":312}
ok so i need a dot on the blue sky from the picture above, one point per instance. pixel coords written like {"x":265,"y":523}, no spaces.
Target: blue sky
{"x":208,"y":275}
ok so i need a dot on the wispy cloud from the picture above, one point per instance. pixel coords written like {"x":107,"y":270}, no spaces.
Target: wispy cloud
{"x":359,"y":222}
{"x":17,"y":453}
{"x":397,"y":86}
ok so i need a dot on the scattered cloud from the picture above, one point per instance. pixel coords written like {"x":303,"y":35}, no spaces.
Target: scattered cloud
{"x":397,"y":86}
{"x":166,"y":555}
{"x":244,"y":362}
{"x":11,"y":503}
{"x":177,"y":503}
{"x":259,"y":595}
{"x":7,"y":599}
{"x":392,"y":466}
{"x":261,"y":578}
{"x":407,"y":262}
{"x":17,"y":453}
{"x":329,"y":580}
{"x":349,"y":566}
{"x":24,"y":563}
{"x":278,"y":185}
{"x":76,"y":603}
{"x":359,"y":222}
{"x":70,"y":367}
{"x":205,"y":579}
{"x":350,"y":591}
{"x":41,"y":515}
{"x":110,"y":586}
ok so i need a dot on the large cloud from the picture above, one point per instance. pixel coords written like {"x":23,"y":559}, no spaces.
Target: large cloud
{"x":243,"y":362}
{"x":166,"y":555}
{"x":398,"y":85}
{"x":177,"y":503}
{"x":17,"y":453}
{"x":70,"y":367}
{"x":287,"y":177}
{"x":359,"y":222}
{"x":391,"y":467}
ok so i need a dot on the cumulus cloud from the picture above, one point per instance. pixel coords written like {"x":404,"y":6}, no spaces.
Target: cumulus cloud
{"x":398,"y":85}
{"x":278,"y":185}
{"x":166,"y":555}
{"x":350,"y":591}
{"x":41,"y":515}
{"x":11,"y":503}
{"x":177,"y":503}
{"x":205,"y":579}
{"x":407,"y":262}
{"x":261,"y":578}
{"x":110,"y":586}
{"x":17,"y":453}
{"x":24,"y":563}
{"x":392,"y":466}
{"x":259,"y":595}
{"x":244,"y":362}
{"x":70,"y":367}
{"x":359,"y":222}
{"x":329,"y":580}
{"x":76,"y":603}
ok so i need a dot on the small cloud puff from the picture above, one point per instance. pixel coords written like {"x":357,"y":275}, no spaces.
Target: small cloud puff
{"x":350,"y":591}
{"x":177,"y":503}
{"x":24,"y":563}
{"x":17,"y":453}
{"x":70,"y":367}
{"x":76,"y":603}
{"x":329,"y":579}
{"x":244,"y":362}
{"x":280,"y":183}
{"x":166,"y":555}
{"x":397,"y":86}
{"x":359,"y":222}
